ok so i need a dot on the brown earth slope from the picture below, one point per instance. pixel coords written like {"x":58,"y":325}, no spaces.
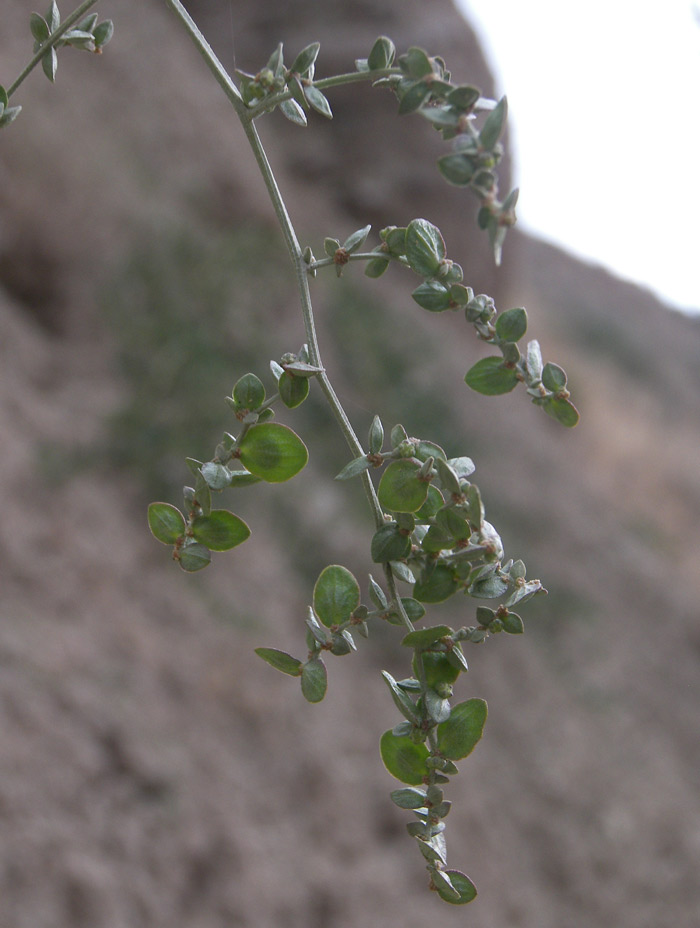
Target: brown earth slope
{"x":153,"y":772}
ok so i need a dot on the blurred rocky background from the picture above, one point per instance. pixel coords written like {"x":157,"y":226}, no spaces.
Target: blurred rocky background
{"x":153,"y":772}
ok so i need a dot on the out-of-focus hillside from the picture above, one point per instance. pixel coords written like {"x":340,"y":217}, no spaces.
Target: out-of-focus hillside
{"x":153,"y":771}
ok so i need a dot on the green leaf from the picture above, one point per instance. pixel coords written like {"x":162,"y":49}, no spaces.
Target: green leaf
{"x":272,"y":452}
{"x":437,"y":707}
{"x":533,"y":361}
{"x":489,"y":377}
{"x":561,"y":410}
{"x":376,"y":267}
{"x":439,"y":586}
{"x":512,"y":324}
{"x":330,"y":246}
{"x":220,"y":530}
{"x":103,"y":33}
{"x":275,"y":62}
{"x":249,"y":392}
{"x":280,"y":660}
{"x":415,"y":63}
{"x":53,"y":17}
{"x":314,"y":680}
{"x":336,"y":595}
{"x":382,"y":54}
{"x":459,"y":882}
{"x":88,"y":24}
{"x":306,"y":58}
{"x":293,"y":112}
{"x":409,"y":798}
{"x":463,"y":97}
{"x":413,"y":97}
{"x":293,"y":390}
{"x":354,"y":467}
{"x":425,"y":247}
{"x":302,"y":369}
{"x":217,"y":476}
{"x":459,"y":735}
{"x":414,"y":610}
{"x":433,"y":502}
{"x":554,"y":377}
{"x":437,"y":668}
{"x":433,"y":296}
{"x":426,"y":636}
{"x":166,"y":522}
{"x":404,"y":759}
{"x":39,"y":27}
{"x":400,"y":488}
{"x":49,"y":64}
{"x":513,"y":624}
{"x":389,"y":544}
{"x":9,"y":115}
{"x":442,"y":883}
{"x":457,"y":169}
{"x":494,"y":124}
{"x":194,"y":556}
{"x":376,"y":436}
{"x":318,"y":101}
{"x":403,"y":703}
{"x":355,"y":241}
{"x":488,"y":588}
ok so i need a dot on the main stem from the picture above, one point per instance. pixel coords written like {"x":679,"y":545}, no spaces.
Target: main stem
{"x":290,"y":237}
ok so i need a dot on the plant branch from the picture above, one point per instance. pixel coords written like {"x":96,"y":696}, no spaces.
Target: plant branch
{"x":50,"y":42}
{"x":217,"y":69}
{"x":290,"y":237}
{"x":358,"y":256}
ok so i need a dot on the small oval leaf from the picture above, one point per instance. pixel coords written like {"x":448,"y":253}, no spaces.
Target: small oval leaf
{"x":314,"y":680}
{"x":220,"y":530}
{"x":293,"y":390}
{"x":194,"y":557}
{"x":272,"y":452}
{"x":165,"y":522}
{"x":389,"y":544}
{"x":280,"y":660}
{"x":425,"y":247}
{"x":462,"y":884}
{"x":336,"y":595}
{"x":438,"y":587}
{"x":459,"y":735}
{"x":490,"y":377}
{"x":512,"y":324}
{"x":562,"y":410}
{"x":404,"y":759}
{"x":400,"y":488}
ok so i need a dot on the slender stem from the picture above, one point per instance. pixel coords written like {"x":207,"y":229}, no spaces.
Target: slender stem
{"x":50,"y":42}
{"x":358,"y":256}
{"x":206,"y":51}
{"x":326,"y":83}
{"x":290,"y":237}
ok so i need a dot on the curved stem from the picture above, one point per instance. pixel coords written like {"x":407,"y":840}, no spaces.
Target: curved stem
{"x":50,"y":42}
{"x":290,"y":238}
{"x":206,"y":51}
{"x":358,"y":256}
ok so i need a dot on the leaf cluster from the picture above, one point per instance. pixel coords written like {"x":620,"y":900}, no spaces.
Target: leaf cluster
{"x":88,"y":35}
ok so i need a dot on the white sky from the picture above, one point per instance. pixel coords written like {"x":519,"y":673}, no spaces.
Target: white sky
{"x":605,"y":126}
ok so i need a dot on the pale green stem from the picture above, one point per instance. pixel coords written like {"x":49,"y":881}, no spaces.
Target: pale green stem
{"x":50,"y":42}
{"x":295,"y":252}
{"x":206,"y":51}
{"x":326,"y":83}
{"x":358,"y":256}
